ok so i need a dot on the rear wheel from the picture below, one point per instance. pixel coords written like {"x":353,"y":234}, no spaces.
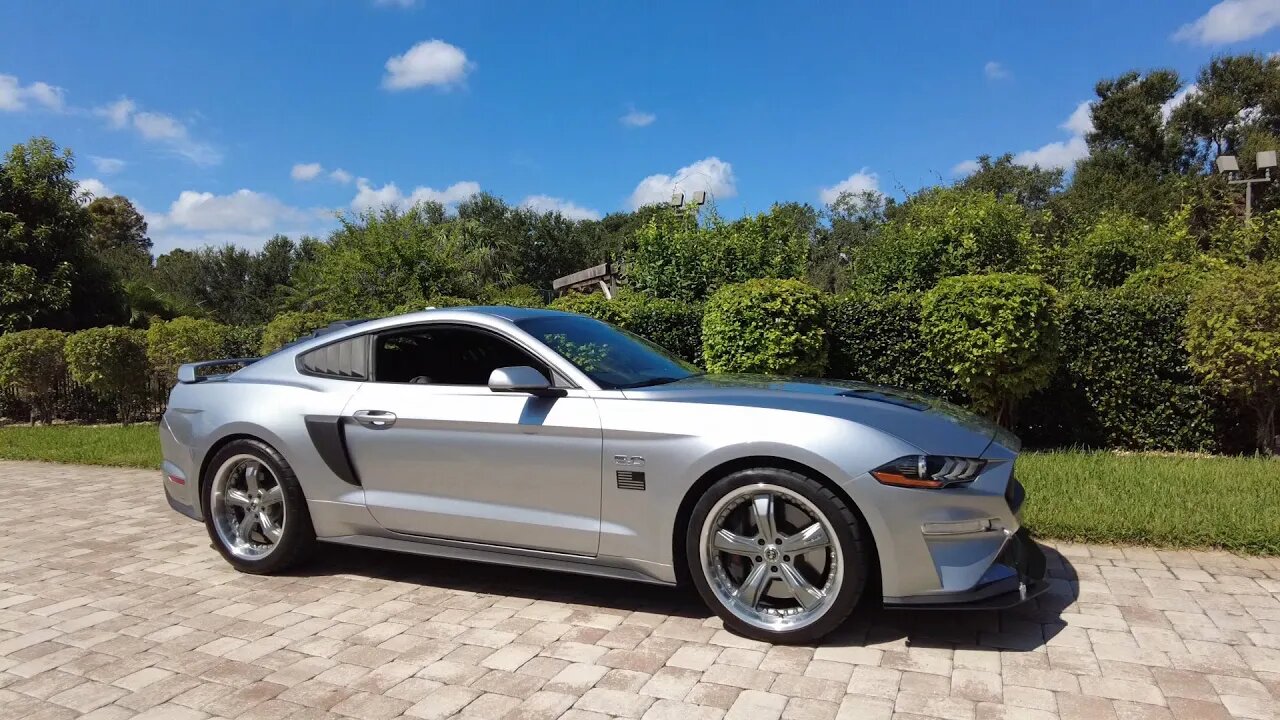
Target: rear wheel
{"x":777,"y":555}
{"x":255,"y":511}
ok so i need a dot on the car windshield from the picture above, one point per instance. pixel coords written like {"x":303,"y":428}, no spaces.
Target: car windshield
{"x":614,"y":359}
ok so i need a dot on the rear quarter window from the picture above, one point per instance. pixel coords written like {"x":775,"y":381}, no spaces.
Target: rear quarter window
{"x":345,"y":360}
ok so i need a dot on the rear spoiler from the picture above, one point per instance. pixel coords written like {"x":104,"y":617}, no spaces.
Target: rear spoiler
{"x":200,"y":371}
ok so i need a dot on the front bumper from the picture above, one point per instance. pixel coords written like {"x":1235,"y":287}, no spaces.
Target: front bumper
{"x":1017,"y":575}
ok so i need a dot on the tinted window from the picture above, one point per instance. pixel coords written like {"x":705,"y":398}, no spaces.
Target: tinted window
{"x":612,"y":358}
{"x":445,"y":355}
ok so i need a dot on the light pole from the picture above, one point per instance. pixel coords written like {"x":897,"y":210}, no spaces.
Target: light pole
{"x":1229,"y":166}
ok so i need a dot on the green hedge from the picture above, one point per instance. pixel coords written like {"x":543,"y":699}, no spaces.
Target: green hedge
{"x":875,"y":338}
{"x":1124,"y":381}
{"x":766,"y":326}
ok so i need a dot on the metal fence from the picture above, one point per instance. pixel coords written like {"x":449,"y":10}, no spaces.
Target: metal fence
{"x":73,"y":402}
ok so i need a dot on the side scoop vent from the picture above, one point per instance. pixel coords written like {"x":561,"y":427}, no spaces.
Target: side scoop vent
{"x":630,"y":480}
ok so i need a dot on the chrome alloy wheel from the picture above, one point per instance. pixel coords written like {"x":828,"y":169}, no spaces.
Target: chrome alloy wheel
{"x":771,"y":557}
{"x":246,"y":502}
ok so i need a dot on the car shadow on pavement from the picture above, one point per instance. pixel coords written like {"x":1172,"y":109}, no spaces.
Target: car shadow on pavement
{"x":1023,"y":628}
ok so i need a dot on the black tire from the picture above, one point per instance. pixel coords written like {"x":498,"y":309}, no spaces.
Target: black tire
{"x":849,"y":534}
{"x":298,"y":537}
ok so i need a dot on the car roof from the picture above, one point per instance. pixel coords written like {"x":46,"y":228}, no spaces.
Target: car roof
{"x":508,"y":312}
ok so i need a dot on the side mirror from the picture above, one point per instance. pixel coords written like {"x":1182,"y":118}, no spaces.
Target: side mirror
{"x":520,"y":378}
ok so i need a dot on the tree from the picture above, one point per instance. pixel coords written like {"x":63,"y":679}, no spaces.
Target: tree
{"x":677,"y":257}
{"x":1128,"y":118}
{"x":32,"y":364}
{"x":943,"y":232}
{"x":231,"y":284}
{"x":1119,"y":245}
{"x":1234,"y":341}
{"x":1030,"y":187}
{"x":49,"y":277}
{"x":853,"y":220}
{"x":1234,"y":95}
{"x":112,"y":362}
{"x":997,"y":333}
{"x":118,"y":233}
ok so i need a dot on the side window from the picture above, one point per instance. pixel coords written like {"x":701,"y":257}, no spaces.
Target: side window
{"x":346,"y":360}
{"x":445,"y":355}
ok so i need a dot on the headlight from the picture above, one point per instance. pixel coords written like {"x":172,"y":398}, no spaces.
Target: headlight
{"x":929,"y":471}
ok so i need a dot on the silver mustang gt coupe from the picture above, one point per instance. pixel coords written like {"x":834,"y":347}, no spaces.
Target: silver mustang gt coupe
{"x":553,"y":440}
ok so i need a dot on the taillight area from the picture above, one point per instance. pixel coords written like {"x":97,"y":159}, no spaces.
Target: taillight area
{"x":929,"y":471}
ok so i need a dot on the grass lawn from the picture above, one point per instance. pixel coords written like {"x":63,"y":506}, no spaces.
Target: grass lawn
{"x":1170,"y":501}
{"x":124,"y":446}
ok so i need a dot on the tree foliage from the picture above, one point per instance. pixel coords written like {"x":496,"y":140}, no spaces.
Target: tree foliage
{"x":289,"y":326}
{"x":184,"y":340}
{"x":111,"y":361}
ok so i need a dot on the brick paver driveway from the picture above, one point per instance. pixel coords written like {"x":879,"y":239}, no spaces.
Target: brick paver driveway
{"x":113,"y":606}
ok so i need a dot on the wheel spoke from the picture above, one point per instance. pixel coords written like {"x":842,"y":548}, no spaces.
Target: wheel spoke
{"x":810,"y":538}
{"x":272,"y":496}
{"x":753,"y":587}
{"x":762,"y":515}
{"x":246,"y":526}
{"x":268,"y":526}
{"x":735,"y":544}
{"x":805,"y":593}
{"x":251,"y":477}
{"x":237,"y":498}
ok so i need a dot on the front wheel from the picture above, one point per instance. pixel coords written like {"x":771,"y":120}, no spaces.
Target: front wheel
{"x":777,"y":555}
{"x":255,"y":511}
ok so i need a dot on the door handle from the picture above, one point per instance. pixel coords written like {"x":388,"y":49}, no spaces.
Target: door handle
{"x":374,"y":418}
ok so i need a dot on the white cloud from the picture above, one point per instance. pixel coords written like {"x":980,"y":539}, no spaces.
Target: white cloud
{"x":1231,"y":21}
{"x":430,"y":62}
{"x":710,"y":174}
{"x":371,"y":198}
{"x":340,"y":176}
{"x":159,"y":128}
{"x":968,"y":167}
{"x":1080,"y":122}
{"x":546,"y":203}
{"x":243,"y":210}
{"x":1166,"y":110}
{"x":994,"y":70}
{"x":106,"y":165}
{"x":15,"y":97}
{"x":860,"y":181}
{"x":637,"y":119}
{"x":306,"y":171}
{"x":1062,"y":154}
{"x":95,"y":187}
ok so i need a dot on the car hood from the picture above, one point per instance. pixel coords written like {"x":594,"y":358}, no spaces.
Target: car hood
{"x":929,"y":423}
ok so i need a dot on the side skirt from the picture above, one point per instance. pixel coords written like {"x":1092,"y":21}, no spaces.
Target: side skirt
{"x":616,"y":568}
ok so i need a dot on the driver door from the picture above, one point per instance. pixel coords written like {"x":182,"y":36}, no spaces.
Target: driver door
{"x":440,"y":455}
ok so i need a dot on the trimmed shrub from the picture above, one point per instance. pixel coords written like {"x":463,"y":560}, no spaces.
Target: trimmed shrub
{"x":996,"y":332}
{"x":876,"y":338}
{"x":289,"y":326}
{"x":112,"y":362}
{"x":32,"y":364}
{"x":1233,"y":336}
{"x":766,"y":326}
{"x":183,"y":340}
{"x":243,"y":341}
{"x":1125,"y":379}
{"x":674,"y":325}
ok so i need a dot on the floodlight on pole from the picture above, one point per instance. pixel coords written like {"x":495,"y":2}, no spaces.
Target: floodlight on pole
{"x":1228,"y":165}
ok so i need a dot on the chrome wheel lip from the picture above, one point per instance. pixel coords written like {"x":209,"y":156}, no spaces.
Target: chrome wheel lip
{"x":726,"y":590}
{"x":224,"y":499}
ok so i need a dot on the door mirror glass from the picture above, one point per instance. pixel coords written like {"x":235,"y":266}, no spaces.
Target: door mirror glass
{"x":520,"y":378}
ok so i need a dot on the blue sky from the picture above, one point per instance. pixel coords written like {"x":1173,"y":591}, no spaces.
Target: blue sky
{"x":227,"y":122}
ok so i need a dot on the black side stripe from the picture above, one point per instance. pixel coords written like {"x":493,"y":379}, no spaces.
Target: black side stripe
{"x":327,"y":435}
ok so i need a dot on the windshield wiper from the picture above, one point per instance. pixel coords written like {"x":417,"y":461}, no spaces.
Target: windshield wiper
{"x":656,"y":381}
